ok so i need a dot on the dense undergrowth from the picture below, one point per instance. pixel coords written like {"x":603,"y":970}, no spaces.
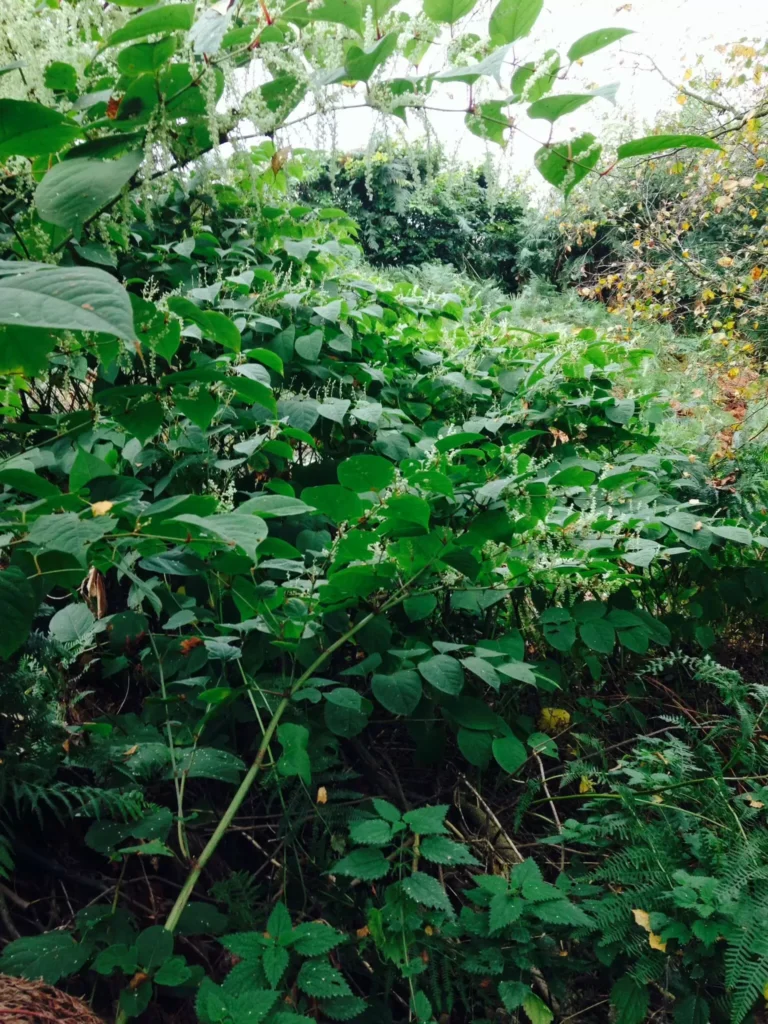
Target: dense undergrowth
{"x":376,"y":646}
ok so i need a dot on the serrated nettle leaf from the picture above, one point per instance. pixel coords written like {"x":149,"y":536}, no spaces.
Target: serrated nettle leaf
{"x":313,"y":938}
{"x":370,"y":832}
{"x":427,"y":820}
{"x":425,"y":889}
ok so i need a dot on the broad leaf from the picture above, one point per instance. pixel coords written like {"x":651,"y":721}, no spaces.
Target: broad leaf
{"x":17,"y":609}
{"x":513,"y":19}
{"x":74,"y":190}
{"x":159,"y":20}
{"x":72,"y":298}
{"x":30,"y":129}
{"x":661,"y":143}
{"x":448,"y":11}
{"x":594,"y":41}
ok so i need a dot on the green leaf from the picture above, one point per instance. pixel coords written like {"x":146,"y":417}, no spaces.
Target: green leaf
{"x":598,"y":636}
{"x":68,"y":533}
{"x":360,"y":64}
{"x":340,"y":12}
{"x":488,"y":121}
{"x":534,"y":79}
{"x":208,"y":763}
{"x":370,"y":832}
{"x":444,"y":673}
{"x":427,"y":890}
{"x":153,"y":947}
{"x":573,"y":476}
{"x":448,"y":11}
{"x":537,"y":1010}
{"x":145,"y":58}
{"x":159,"y":20}
{"x":233,"y":528}
{"x":362,"y":473}
{"x":313,"y":938}
{"x":565,"y":164}
{"x":72,"y":625}
{"x":17,"y":609}
{"x":214,"y":325}
{"x":85,"y":468}
{"x":636,"y":640}
{"x":309,"y":346}
{"x":143,"y":421}
{"x":484,"y":670}
{"x":74,"y":190}
{"x":475,"y":746}
{"x":510,"y":754}
{"x":399,"y":693}
{"x":492,"y":67}
{"x":201,"y":918}
{"x":346,"y":711}
{"x":693,"y":1009}
{"x":440,"y":850}
{"x":513,"y":994}
{"x":30,"y":129}
{"x":199,"y":409}
{"x":338,"y":503}
{"x":47,"y":957}
{"x":60,"y":77}
{"x":427,"y":820}
{"x":505,"y":909}
{"x":294,"y":760}
{"x":175,"y":971}
{"x":659,"y":143}
{"x":630,"y":1001}
{"x":594,"y":41}
{"x":559,"y":628}
{"x":551,"y":108}
{"x":386,"y":810}
{"x":317,"y":978}
{"x":72,"y":298}
{"x":513,"y":19}
{"x":736,"y":534}
{"x":419,"y":606}
{"x":274,"y":505}
{"x":274,"y":961}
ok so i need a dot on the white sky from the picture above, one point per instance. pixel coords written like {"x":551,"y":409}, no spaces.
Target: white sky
{"x":674,"y":32}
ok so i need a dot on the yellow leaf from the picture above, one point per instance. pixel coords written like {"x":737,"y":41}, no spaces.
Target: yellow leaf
{"x":100,"y":508}
{"x":756,"y":804}
{"x":688,"y":75}
{"x":585,"y":785}
{"x":682,"y":99}
{"x":554,"y":719}
{"x":725,"y":261}
{"x":656,"y":942}
{"x":643,"y":918}
{"x":322,"y":795}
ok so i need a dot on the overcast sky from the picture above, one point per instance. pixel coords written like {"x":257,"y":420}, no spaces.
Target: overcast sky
{"x":674,"y":32}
